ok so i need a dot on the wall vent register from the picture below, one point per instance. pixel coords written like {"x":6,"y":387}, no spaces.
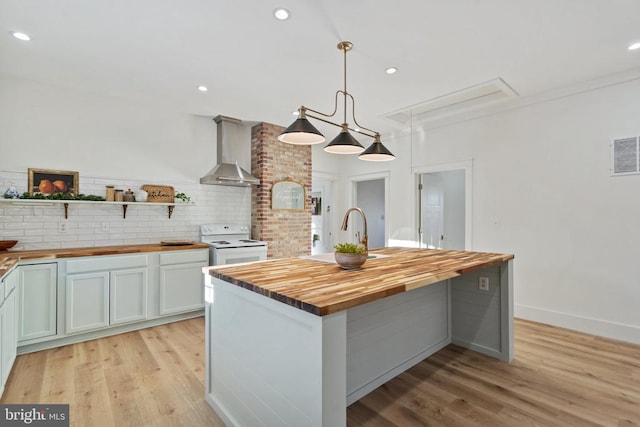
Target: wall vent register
{"x":625,"y":156}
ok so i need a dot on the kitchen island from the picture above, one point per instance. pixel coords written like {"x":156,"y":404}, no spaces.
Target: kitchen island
{"x":295,"y":341}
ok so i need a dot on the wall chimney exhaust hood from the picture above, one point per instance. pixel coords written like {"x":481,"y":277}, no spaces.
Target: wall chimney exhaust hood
{"x":231,"y":142}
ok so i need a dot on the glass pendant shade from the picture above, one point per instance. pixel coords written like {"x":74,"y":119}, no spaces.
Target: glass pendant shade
{"x":344,"y":143}
{"x":301,"y":132}
{"x":377,"y":152}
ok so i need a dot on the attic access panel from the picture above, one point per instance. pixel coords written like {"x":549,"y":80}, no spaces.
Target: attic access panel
{"x":625,"y":156}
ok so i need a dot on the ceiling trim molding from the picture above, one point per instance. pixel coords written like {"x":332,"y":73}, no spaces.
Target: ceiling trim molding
{"x":522,"y":102}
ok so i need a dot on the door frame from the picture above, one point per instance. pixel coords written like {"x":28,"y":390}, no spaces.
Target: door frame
{"x":352,"y":182}
{"x":467,"y":166}
{"x":330,"y":204}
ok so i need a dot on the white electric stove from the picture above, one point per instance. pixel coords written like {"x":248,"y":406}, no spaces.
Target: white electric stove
{"x":231,"y":244}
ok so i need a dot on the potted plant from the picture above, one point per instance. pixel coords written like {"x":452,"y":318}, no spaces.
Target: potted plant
{"x":350,"y":255}
{"x":182,"y":197}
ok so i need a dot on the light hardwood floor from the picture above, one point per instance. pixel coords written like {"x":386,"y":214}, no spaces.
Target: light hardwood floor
{"x":155,"y":377}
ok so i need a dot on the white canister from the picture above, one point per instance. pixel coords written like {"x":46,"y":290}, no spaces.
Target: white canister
{"x":141,"y":196}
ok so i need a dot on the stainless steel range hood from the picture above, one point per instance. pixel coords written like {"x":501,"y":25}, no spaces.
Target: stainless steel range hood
{"x":230,"y":143}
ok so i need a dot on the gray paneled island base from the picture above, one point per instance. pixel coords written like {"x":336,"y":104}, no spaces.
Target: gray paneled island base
{"x":295,"y":341}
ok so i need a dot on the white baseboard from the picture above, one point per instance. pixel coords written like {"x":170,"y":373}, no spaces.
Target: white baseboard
{"x":603,"y":328}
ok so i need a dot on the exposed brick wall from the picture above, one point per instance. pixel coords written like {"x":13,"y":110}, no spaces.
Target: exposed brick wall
{"x":288,"y":232}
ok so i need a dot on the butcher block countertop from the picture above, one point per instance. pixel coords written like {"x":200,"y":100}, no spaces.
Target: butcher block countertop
{"x":9,"y":259}
{"x":323,"y":288}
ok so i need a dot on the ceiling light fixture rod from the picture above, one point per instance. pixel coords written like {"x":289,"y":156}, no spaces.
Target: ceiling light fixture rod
{"x":345,"y":47}
{"x":370,"y":133}
{"x":302,"y":132}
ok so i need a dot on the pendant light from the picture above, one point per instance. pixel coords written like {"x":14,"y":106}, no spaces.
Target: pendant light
{"x":302,"y":132}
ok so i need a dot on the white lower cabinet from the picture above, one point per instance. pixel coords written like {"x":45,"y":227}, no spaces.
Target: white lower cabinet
{"x":87,"y":302}
{"x":37,"y":300}
{"x":100,"y":299}
{"x":9,"y":330}
{"x":181,"y":281}
{"x":128,"y":296}
{"x":119,"y":292}
{"x":8,"y":327}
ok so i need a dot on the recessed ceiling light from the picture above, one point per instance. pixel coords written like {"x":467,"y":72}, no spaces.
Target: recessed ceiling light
{"x":281,"y":14}
{"x":634,"y":46}
{"x":295,"y":113}
{"x":391,"y":70}
{"x":21,"y":36}
{"x":203,"y":88}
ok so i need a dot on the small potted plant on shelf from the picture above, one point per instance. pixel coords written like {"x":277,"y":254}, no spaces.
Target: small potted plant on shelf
{"x":182,"y":198}
{"x":350,"y":255}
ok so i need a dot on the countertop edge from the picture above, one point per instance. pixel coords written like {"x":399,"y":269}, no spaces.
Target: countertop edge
{"x":349,"y":302}
{"x":9,"y":259}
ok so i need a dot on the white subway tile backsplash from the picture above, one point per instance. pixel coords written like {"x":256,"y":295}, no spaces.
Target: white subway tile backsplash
{"x":36,"y":246}
{"x":38,"y":227}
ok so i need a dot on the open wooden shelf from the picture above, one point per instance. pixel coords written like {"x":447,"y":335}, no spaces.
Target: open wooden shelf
{"x":66,"y":203}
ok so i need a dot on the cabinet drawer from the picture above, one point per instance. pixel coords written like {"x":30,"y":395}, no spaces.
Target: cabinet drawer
{"x":103,"y":263}
{"x":183,"y":257}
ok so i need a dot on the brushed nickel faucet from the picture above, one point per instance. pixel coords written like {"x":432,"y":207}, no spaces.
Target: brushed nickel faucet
{"x":364,"y":241}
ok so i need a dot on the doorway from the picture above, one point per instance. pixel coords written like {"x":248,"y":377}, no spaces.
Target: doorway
{"x":370,"y":196}
{"x":444,"y":217}
{"x":321,"y":215}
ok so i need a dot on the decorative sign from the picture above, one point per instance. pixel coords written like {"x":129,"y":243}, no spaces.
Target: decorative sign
{"x":159,"y":193}
{"x":287,"y":194}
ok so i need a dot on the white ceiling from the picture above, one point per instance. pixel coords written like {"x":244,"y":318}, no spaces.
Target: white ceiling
{"x":156,"y":52}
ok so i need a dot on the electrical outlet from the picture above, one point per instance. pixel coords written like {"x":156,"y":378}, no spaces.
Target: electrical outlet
{"x":62,"y":227}
{"x":483,"y":284}
{"x":104,"y":227}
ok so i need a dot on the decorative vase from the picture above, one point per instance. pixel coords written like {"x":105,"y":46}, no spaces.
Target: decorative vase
{"x":350,"y":261}
{"x":11,"y":193}
{"x":141,"y":196}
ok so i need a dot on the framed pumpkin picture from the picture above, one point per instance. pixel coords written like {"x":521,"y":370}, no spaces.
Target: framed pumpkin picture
{"x":45,"y":181}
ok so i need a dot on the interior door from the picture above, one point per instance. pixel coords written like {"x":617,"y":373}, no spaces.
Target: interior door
{"x":370,"y":197}
{"x":321,"y":216}
{"x":442,"y":206}
{"x":432,"y":212}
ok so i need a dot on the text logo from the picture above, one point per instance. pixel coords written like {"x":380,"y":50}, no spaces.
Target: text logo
{"x":34,"y":415}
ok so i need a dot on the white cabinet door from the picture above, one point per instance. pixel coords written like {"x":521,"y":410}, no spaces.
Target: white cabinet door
{"x":87,"y":302}
{"x":128,"y":295}
{"x":181,"y":287}
{"x":3,"y":369}
{"x":9,"y":331}
{"x":37,"y":286}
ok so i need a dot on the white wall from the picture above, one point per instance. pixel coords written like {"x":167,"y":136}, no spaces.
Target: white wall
{"x":107,"y":140}
{"x":542,"y":191}
{"x":59,"y":128}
